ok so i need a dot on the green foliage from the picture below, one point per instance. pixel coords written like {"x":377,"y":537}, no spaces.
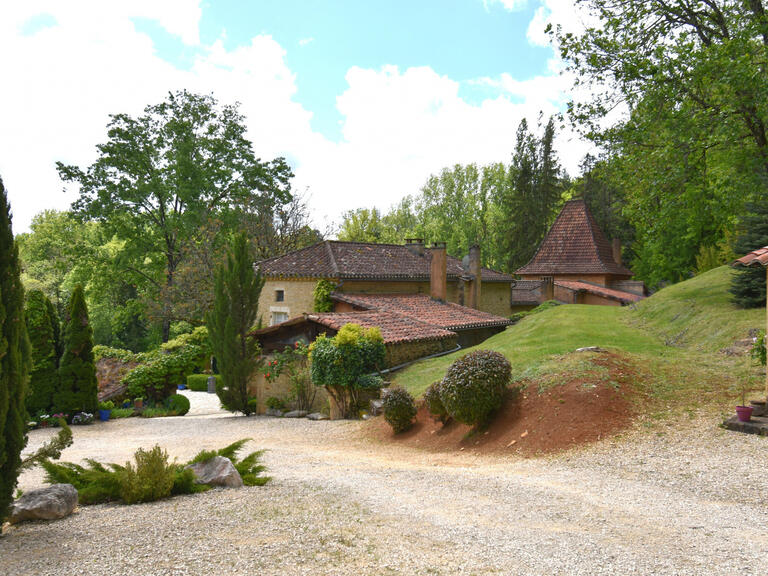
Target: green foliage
{"x":758,"y":352}
{"x":230,"y":324}
{"x":341,"y":363}
{"x":294,"y":362}
{"x":249,"y":468}
{"x":43,"y":379}
{"x":178,"y":404}
{"x":15,"y":359}
{"x":434,"y":404}
{"x":95,"y":483}
{"x":199,"y":382}
{"x":52,"y":449}
{"x":275,"y":403}
{"x":100,"y":351}
{"x":151,"y":479}
{"x":162,"y":372}
{"x":540,"y":308}
{"x":748,"y":284}
{"x":399,"y":409}
{"x":121,"y":413}
{"x":159,"y":411}
{"x":108,"y":405}
{"x":322,"y":296}
{"x":474,"y":386}
{"x":253,"y":405}
{"x":78,"y":387}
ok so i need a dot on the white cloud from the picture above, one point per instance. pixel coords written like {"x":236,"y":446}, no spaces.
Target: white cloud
{"x":398,"y":126}
{"x":304,"y":41}
{"x":509,"y":5}
{"x":567,"y":14}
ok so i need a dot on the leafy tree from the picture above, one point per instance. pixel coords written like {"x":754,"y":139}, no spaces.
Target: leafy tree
{"x":230,"y":323}
{"x":43,"y":378}
{"x":14,"y":359}
{"x":362,"y":225}
{"x":78,"y":387}
{"x":748,"y":283}
{"x":162,"y":175}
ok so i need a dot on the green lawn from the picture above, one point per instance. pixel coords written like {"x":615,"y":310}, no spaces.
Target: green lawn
{"x":674,"y":338}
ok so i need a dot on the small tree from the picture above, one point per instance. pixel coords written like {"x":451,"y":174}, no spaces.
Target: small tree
{"x":748,"y":283}
{"x":78,"y":387}
{"x":345,"y":364}
{"x":14,"y":359}
{"x":235,"y":309}
{"x":44,"y":378}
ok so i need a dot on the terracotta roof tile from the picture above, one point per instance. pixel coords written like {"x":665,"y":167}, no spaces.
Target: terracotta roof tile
{"x":424,"y":309}
{"x":610,"y":293}
{"x":759,"y":256}
{"x":574,"y":245}
{"x":395,"y":328}
{"x":349,"y":260}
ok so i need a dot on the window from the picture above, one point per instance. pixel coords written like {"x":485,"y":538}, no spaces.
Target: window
{"x":278,"y":317}
{"x":279,"y":295}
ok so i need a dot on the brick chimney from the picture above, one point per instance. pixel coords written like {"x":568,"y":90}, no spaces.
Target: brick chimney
{"x":616,"y":245}
{"x":438,"y":277}
{"x":475,"y":269}
{"x":415,"y":246}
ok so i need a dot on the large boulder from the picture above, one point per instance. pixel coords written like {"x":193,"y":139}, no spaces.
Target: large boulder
{"x":55,"y":501}
{"x":218,"y":471}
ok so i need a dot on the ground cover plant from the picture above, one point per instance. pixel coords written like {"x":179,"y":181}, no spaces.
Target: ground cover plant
{"x":151,"y":476}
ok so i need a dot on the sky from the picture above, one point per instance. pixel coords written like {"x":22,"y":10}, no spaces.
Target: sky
{"x":364,"y":99}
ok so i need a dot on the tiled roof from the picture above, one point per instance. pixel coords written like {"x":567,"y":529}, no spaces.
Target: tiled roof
{"x":610,"y":293}
{"x":395,"y":328}
{"x":759,"y":256}
{"x":424,"y":309}
{"x":350,"y":260}
{"x":574,"y":245}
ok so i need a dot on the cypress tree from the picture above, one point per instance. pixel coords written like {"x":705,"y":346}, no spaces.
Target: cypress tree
{"x":56,"y":325}
{"x":748,"y":283}
{"x":43,"y":378}
{"x":236,"y":302}
{"x":14,"y":359}
{"x":78,"y":388}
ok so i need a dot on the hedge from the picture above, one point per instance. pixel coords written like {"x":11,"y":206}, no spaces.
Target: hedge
{"x":199,"y":382}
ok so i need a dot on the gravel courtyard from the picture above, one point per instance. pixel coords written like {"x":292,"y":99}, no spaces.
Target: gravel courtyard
{"x":683,"y":499}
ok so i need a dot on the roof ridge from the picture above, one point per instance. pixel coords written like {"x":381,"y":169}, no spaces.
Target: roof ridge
{"x":334,"y":266}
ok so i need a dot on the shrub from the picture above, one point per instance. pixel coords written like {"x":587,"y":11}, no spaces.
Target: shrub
{"x":100,"y":351}
{"x":199,"y":382}
{"x":152,"y":478}
{"x":253,"y":405}
{"x":108,"y":405}
{"x":434,"y":404}
{"x":82,"y":418}
{"x":474,"y":386}
{"x":162,"y":373}
{"x":156,"y":412}
{"x":275,"y":403}
{"x":121,"y":413}
{"x":399,"y":409}
{"x":294,"y":362}
{"x":342,"y":363}
{"x":178,"y":404}
{"x":249,"y":468}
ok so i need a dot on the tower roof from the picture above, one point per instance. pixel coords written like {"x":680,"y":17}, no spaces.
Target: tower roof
{"x":574,"y":245}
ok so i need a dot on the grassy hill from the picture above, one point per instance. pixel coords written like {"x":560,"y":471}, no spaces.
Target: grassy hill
{"x":674,"y":338}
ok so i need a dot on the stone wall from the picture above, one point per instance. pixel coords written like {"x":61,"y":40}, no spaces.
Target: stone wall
{"x":495,"y":298}
{"x":109,"y":373}
{"x":281,"y":388}
{"x":408,"y":351}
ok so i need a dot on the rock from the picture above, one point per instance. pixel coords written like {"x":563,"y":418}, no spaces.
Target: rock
{"x":276,"y":412}
{"x":55,"y":501}
{"x":218,"y":471}
{"x":591,"y":349}
{"x":295,"y":414}
{"x":377,"y":407}
{"x":317,"y":416}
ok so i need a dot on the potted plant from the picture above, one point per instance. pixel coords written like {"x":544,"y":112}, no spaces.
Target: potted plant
{"x":138,"y":403}
{"x":105,"y":410}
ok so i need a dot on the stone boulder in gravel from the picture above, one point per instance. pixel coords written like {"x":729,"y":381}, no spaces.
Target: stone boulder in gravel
{"x":295,"y":414}
{"x":317,"y":416}
{"x":218,"y":471}
{"x":55,"y":501}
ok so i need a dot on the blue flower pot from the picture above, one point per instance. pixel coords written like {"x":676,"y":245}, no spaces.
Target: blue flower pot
{"x":104,"y":415}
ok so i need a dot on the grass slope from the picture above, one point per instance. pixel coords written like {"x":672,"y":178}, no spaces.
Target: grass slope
{"x":674,"y":337}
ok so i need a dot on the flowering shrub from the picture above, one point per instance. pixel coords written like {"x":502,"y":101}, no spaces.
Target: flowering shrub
{"x":399,"y":409}
{"x":474,"y":386}
{"x":82,"y":418}
{"x":294,"y":361}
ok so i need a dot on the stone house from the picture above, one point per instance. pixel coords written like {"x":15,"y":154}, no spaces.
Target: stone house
{"x":367,"y":268}
{"x":576,"y":264}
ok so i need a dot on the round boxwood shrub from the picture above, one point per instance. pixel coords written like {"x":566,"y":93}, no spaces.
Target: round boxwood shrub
{"x":474,"y":386}
{"x":434,"y":404}
{"x":399,"y":409}
{"x":178,"y":403}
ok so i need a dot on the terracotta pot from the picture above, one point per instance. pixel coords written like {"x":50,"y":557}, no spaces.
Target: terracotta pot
{"x":744,"y":413}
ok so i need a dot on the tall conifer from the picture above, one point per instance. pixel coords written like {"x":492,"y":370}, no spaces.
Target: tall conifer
{"x":78,"y":388}
{"x":14,"y":359}
{"x":43,"y":378}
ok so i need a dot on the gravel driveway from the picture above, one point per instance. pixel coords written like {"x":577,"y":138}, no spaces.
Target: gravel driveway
{"x":683,"y":499}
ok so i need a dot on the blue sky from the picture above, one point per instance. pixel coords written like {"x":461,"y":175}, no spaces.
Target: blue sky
{"x":365,"y":99}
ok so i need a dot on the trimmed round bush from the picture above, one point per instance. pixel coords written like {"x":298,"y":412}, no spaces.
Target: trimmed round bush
{"x":399,"y":409}
{"x":434,"y":404}
{"x":474,"y":386}
{"x":179,"y":404}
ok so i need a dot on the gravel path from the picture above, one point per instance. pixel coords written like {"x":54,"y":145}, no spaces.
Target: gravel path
{"x":687,"y":499}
